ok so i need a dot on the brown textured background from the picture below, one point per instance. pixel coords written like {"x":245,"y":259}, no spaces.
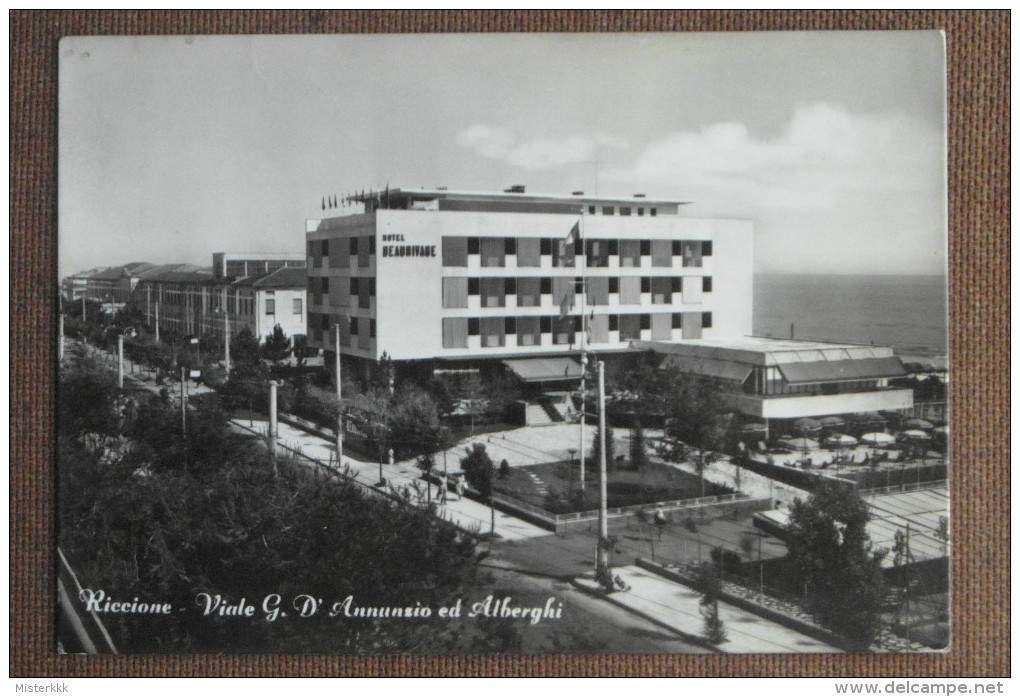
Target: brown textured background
{"x":978,"y":69}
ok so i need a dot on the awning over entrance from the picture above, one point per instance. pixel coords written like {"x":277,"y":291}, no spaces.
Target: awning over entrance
{"x":837,"y":371}
{"x":710,"y":367}
{"x":544,"y":369}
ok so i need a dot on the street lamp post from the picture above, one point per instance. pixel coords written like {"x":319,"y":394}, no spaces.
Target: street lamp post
{"x":602,"y":572}
{"x":120,"y":361}
{"x":339,"y":411}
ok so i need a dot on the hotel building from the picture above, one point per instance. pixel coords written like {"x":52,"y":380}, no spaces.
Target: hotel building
{"x":459,"y":277}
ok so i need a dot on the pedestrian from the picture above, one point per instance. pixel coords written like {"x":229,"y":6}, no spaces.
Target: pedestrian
{"x":659,"y":518}
{"x":460,"y":489}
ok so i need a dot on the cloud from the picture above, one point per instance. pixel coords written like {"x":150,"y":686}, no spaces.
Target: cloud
{"x":824,"y":153}
{"x":498,"y":143}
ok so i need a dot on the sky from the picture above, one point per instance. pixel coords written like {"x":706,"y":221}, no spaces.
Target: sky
{"x":832,"y":143}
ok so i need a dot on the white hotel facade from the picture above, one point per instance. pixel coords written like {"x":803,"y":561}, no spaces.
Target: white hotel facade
{"x":439,"y":275}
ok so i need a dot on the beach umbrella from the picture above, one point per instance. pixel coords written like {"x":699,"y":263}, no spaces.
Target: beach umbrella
{"x":920,"y":424}
{"x":916,"y":434}
{"x":801,"y":444}
{"x":832,"y":421}
{"x":877,"y":438}
{"x":841,"y":440}
{"x":807,"y":425}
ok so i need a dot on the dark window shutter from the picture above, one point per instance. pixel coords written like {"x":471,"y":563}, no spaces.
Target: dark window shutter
{"x":510,"y":286}
{"x":473,"y":246}
{"x":545,"y":325}
{"x":646,"y":284}
{"x":614,"y":248}
{"x":472,"y":326}
{"x":545,"y":286}
{"x":646,"y":321}
{"x":706,"y":320}
{"x":509,"y":325}
{"x":706,"y":284}
{"x":510,"y":245}
{"x":678,"y":284}
{"x":678,"y":320}
{"x":614,"y":322}
{"x":678,"y":248}
{"x":706,"y":248}
{"x":614,"y":285}
{"x":545,"y":247}
{"x":646,"y":248}
{"x":473,"y":286}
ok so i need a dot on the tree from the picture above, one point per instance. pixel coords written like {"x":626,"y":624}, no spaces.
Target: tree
{"x":478,"y":469}
{"x":414,"y":421}
{"x":244,"y":349}
{"x":696,"y":416}
{"x":638,"y":453}
{"x":277,"y":346}
{"x":830,"y":548}
{"x":710,"y":585}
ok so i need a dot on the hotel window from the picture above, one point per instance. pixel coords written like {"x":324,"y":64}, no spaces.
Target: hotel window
{"x":614,"y":323}
{"x":270,"y":306}
{"x":630,"y":327}
{"x":624,"y":210}
{"x":545,"y":286}
{"x":316,"y":259}
{"x":342,"y":291}
{"x":316,"y":292}
{"x":473,"y":286}
{"x":298,"y":310}
{"x":598,"y":329}
{"x":493,"y":292}
{"x":692,"y":325}
{"x":563,"y":292}
{"x":662,"y":326}
{"x":646,"y":321}
{"x":706,"y":320}
{"x":630,"y":290}
{"x":371,"y":328}
{"x":640,"y":210}
{"x":455,"y":251}
{"x":339,"y":255}
{"x":528,"y":251}
{"x":510,"y":245}
{"x":324,"y":249}
{"x":692,"y":253}
{"x":597,"y":291}
{"x":662,"y":253}
{"x":472,"y":326}
{"x":608,"y":210}
{"x":662,"y":290}
{"x":365,"y":337}
{"x":365,"y":293}
{"x":529,"y":331}
{"x":545,"y":324}
{"x":678,"y":321}
{"x":614,"y":285}
{"x":509,"y":325}
{"x":653,"y":211}
{"x":706,"y":284}
{"x":706,"y":248}
{"x":591,"y":210}
{"x":598,"y":253}
{"x":472,"y":245}
{"x":353,"y":246}
{"x":455,"y":332}
{"x":364,"y":250}
{"x":528,"y":292}
{"x":630,"y":254}
{"x":563,"y":253}
{"x":646,"y":284}
{"x":493,"y":252}
{"x":564,"y":330}
{"x":493,"y":332}
{"x":354,"y":326}
{"x":545,"y":247}
{"x":455,"y":292}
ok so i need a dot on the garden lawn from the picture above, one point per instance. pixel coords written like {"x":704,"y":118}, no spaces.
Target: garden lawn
{"x":555,"y":486}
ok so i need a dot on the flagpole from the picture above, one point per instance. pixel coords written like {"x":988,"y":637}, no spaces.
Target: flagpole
{"x":581,"y":343}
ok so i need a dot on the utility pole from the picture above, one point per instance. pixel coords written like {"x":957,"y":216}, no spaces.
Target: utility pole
{"x":120,"y":361}
{"x":602,"y":573}
{"x":339,"y":411}
{"x":581,"y":343}
{"x":226,"y":340}
{"x":184,"y":418}
{"x":272,"y":424}
{"x":157,"y":321}
{"x":60,"y":346}
{"x":83,"y":307}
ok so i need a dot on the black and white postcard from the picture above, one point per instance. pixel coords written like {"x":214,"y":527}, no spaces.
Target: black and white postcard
{"x":503,"y":344}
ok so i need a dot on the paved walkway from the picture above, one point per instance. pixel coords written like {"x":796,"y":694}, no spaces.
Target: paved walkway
{"x":464,"y":513}
{"x":678,"y":607}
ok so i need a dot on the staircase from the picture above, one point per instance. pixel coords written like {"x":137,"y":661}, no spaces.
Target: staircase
{"x":543,"y":412}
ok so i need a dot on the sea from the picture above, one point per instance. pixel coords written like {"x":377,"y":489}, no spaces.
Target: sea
{"x":905,"y":312}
